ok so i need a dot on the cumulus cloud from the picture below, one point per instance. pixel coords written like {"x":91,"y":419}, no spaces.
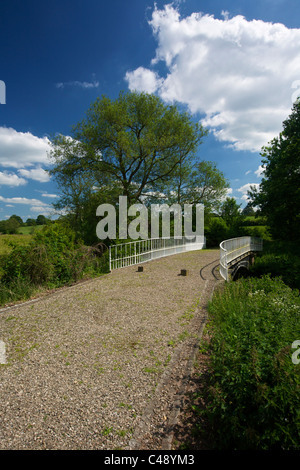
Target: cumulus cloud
{"x":260,"y":171}
{"x":22,"y":200}
{"x":245,"y":188}
{"x":22,"y":149}
{"x":11,"y":179}
{"x":237,"y":74}
{"x":42,"y":210}
{"x":143,"y":79}
{"x":37,"y":174}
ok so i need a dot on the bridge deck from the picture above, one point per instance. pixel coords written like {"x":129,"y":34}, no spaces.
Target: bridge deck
{"x":98,"y":365}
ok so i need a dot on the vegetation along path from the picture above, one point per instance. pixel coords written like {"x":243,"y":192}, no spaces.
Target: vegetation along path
{"x":102,"y":365}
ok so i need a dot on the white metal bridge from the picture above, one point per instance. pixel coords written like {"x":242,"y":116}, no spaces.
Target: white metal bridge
{"x":235,"y":250}
{"x":140,"y":251}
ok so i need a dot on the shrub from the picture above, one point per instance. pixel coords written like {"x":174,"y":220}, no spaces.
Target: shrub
{"x":254,"y":389}
{"x":257,"y":231}
{"x":216,"y":232}
{"x":277,"y":263}
{"x":52,"y":259}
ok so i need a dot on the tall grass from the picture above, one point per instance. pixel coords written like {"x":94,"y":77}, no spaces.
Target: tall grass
{"x":254,"y":389}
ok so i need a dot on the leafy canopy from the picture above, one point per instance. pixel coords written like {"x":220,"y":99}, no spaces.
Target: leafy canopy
{"x":135,"y":142}
{"x":278,"y":197}
{"x":136,"y":146}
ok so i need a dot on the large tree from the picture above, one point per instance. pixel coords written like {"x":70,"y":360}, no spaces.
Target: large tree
{"x":278,"y":197}
{"x":232,"y":216}
{"x":200,"y":183}
{"x":135,"y":142}
{"x":129,"y":146}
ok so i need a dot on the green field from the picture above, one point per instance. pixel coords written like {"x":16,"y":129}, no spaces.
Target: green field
{"x":29,"y":230}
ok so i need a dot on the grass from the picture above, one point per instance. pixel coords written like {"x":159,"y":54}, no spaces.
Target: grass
{"x":253,"y":399}
{"x":23,"y":237}
{"x":30,"y":230}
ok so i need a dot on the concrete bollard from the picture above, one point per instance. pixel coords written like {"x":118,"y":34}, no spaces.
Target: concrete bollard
{"x":2,"y":353}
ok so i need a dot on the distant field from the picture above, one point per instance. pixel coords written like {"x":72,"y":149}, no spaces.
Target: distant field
{"x":7,"y":241}
{"x":29,"y":230}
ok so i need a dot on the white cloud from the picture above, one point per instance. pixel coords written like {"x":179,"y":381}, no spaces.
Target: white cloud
{"x":260,"y":171}
{"x":238,"y":74}
{"x":37,"y":174}
{"x":245,"y":188}
{"x":22,"y":149}
{"x":43,"y":210}
{"x":49,"y":195}
{"x":11,"y":179}
{"x":22,"y":200}
{"x":35,"y":205}
{"x":143,"y":79}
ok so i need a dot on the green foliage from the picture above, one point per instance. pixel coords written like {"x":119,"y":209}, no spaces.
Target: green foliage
{"x":278,"y":197}
{"x":200,"y":183}
{"x":8,"y":242}
{"x":42,"y":220}
{"x":248,"y":211}
{"x":132,"y":146}
{"x":232,"y":216}
{"x":254,"y":220}
{"x":17,"y":290}
{"x":234,"y":223}
{"x":11,"y":225}
{"x":30,"y":222}
{"x":279,"y":259}
{"x":216,"y":232}
{"x":254,"y":388}
{"x":52,"y":259}
{"x":257,"y":231}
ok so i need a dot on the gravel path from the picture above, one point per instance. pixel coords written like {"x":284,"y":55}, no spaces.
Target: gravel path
{"x":102,"y":365}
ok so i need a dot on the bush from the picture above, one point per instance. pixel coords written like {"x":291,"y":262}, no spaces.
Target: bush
{"x":279,"y":261}
{"x":254,"y":389}
{"x":257,"y":231}
{"x":52,"y":259}
{"x":216,"y":232}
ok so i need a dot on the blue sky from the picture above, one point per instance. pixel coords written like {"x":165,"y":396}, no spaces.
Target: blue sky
{"x":234,"y":64}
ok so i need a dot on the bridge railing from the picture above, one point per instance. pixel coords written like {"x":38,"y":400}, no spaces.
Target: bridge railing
{"x":140,"y":251}
{"x":234,"y":248}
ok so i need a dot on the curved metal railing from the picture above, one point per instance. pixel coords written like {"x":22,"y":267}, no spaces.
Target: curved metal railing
{"x":235,"y":248}
{"x":140,"y":251}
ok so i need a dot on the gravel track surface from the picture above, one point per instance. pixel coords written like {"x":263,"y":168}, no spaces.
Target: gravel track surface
{"x":103,"y":364}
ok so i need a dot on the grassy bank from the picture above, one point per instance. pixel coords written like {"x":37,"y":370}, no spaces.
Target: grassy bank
{"x":253,"y":390}
{"x":48,"y":259}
